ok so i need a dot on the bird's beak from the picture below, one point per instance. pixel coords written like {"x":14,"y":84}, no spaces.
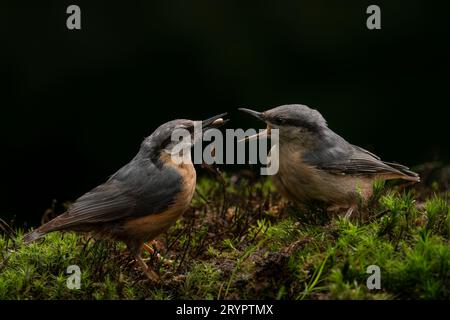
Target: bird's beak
{"x":256,"y":114}
{"x":261,"y":135}
{"x":214,"y":122}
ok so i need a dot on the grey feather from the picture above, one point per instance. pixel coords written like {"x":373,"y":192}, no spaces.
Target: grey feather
{"x":336,"y":155}
{"x":140,"y":188}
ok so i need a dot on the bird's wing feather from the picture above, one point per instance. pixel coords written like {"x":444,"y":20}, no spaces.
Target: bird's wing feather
{"x":106,"y":202}
{"x":136,"y":190}
{"x":357,"y":166}
{"x":340,"y":157}
{"x":366,"y":152}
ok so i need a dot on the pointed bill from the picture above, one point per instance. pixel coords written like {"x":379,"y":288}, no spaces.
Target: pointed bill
{"x":261,"y":135}
{"x":256,"y":114}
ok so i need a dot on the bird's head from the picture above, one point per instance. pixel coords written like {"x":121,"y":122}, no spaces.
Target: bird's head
{"x":293,"y":121}
{"x":180,"y":134}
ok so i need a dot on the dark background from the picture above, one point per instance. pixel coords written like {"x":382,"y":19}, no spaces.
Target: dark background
{"x":76,"y":104}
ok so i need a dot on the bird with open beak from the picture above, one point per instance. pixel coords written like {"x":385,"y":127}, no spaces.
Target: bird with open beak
{"x":141,"y":200}
{"x":316,"y":165}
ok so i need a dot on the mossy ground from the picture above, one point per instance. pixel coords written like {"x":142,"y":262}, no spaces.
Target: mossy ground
{"x":239,"y":240}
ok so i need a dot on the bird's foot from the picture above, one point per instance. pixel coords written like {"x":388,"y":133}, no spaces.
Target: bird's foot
{"x":349,"y":212}
{"x":148,"y":246}
{"x":148,"y":272}
{"x":152,"y":275}
{"x":152,"y":252}
{"x":338,"y":209}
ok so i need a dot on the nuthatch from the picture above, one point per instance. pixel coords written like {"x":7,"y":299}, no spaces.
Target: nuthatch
{"x":317,"y":165}
{"x":141,"y":200}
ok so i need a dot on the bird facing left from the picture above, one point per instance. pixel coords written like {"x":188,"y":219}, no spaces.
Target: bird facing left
{"x":142,"y":199}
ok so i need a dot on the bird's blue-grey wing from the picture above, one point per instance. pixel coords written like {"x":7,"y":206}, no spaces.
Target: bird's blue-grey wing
{"x":138,"y":189}
{"x":338,"y":156}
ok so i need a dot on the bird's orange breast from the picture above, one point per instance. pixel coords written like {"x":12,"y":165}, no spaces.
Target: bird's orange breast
{"x":152,"y":225}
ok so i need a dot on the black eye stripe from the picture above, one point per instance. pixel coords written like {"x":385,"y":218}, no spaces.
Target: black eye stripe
{"x":279,"y":120}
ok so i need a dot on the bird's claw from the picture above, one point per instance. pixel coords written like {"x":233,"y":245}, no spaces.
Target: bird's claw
{"x":152,"y":275}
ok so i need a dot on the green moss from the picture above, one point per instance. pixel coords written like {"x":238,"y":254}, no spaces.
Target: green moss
{"x":240,"y":240}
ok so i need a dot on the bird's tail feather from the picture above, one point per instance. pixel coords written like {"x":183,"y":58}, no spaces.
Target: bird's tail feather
{"x":33,"y":236}
{"x":56,"y":224}
{"x":407,"y":174}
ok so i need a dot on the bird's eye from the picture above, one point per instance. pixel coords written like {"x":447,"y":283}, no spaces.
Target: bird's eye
{"x":278,"y":120}
{"x":187,"y":126}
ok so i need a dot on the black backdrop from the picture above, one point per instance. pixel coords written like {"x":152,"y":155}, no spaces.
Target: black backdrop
{"x":76,"y":104}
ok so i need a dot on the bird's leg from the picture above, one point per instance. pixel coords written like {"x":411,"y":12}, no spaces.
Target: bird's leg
{"x":148,"y":272}
{"x":154,"y":243}
{"x":136,"y":249}
{"x":349,"y":212}
{"x":147,"y":247}
{"x":337,"y":209}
